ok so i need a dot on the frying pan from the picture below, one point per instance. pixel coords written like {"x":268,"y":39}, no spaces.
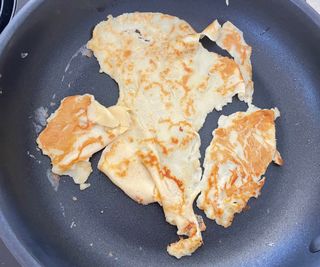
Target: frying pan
{"x":40,"y":63}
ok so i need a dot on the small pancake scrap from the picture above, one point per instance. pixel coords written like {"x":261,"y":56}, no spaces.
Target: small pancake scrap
{"x":243,"y":146}
{"x":76,"y":130}
{"x":230,"y":38}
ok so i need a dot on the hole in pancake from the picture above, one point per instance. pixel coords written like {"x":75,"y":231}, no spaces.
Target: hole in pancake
{"x":140,"y":36}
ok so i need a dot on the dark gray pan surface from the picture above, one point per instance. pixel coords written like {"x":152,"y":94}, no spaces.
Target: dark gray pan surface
{"x":35,"y":220}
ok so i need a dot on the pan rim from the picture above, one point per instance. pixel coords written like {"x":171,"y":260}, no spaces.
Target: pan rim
{"x":8,"y":236}
{"x":21,"y":253}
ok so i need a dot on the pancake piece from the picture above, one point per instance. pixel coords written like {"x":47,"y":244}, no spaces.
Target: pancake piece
{"x":164,"y":169}
{"x":76,"y":130}
{"x":243,"y":146}
{"x":230,"y":38}
{"x":159,"y":58}
{"x":172,"y":159}
{"x":170,"y":82}
{"x":121,"y":163}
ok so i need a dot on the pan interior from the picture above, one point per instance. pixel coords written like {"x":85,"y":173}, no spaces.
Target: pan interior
{"x":42,"y":63}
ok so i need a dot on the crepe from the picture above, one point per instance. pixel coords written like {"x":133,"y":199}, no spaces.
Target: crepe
{"x":243,"y":146}
{"x":76,"y":130}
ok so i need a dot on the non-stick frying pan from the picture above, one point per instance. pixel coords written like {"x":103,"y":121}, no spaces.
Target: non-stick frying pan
{"x":40,"y":63}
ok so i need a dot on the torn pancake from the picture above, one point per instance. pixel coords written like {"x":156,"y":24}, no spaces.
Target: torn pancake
{"x":172,"y":159}
{"x":142,"y":166}
{"x":170,"y":82}
{"x":76,"y":130}
{"x":152,"y":55}
{"x":243,"y":146}
{"x":231,"y":39}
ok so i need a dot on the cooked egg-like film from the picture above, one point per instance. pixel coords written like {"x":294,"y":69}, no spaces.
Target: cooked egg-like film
{"x":243,"y":146}
{"x":76,"y":130}
{"x":169,"y":82}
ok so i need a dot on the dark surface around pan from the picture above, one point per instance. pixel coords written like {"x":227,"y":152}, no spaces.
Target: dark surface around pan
{"x":109,"y":229}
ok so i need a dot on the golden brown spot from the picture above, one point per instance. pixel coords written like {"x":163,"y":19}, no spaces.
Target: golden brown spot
{"x":169,"y":121}
{"x":151,"y":130}
{"x":203,"y":85}
{"x":174,"y":140}
{"x":278,"y":159}
{"x":121,"y":168}
{"x":167,"y":174}
{"x":128,"y":81}
{"x":180,"y":124}
{"x":152,"y":63}
{"x":156,"y":84}
{"x":106,"y":62}
{"x":63,"y":130}
{"x":184,"y":27}
{"x":149,"y":159}
{"x":178,"y":53}
{"x":226,"y":67}
{"x":189,"y":109}
{"x":127,"y":53}
{"x":224,"y":90}
{"x":130,"y":67}
{"x":88,"y":142}
{"x":111,"y":152}
{"x":190,"y":229}
{"x":190,"y":133}
{"x":138,"y":199}
{"x":185,"y":141}
{"x":233,"y":39}
{"x":143,"y":77}
{"x":168,"y":105}
{"x":111,"y":135}
{"x":186,"y":68}
{"x":157,"y":197}
{"x":166,"y":71}
{"x":185,"y":80}
{"x":156,"y":141}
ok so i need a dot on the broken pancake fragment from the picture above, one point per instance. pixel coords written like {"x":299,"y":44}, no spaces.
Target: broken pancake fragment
{"x":243,"y":146}
{"x":76,"y":130}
